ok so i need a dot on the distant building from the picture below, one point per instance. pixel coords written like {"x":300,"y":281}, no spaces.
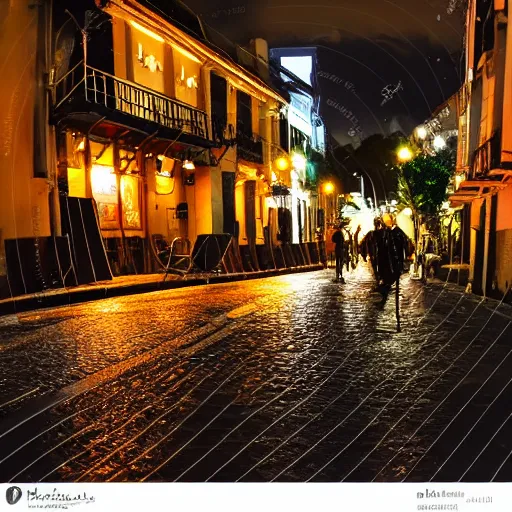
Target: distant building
{"x":441,"y":129}
{"x":303,"y":64}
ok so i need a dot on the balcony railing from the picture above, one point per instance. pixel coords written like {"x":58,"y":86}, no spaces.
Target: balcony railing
{"x":250,"y":148}
{"x":116,"y":94}
{"x":486,"y":157}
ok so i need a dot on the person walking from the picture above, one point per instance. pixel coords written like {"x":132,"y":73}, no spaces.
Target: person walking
{"x":356,"y":247}
{"x":369,"y":248}
{"x":339,"y":249}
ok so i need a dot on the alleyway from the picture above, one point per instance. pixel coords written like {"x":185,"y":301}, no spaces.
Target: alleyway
{"x":292,"y":378}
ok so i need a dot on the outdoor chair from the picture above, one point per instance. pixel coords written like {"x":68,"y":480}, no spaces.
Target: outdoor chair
{"x":207,"y":255}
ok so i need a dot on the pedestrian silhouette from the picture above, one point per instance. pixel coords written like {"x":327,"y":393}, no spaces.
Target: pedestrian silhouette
{"x":369,"y":248}
{"x":339,"y":249}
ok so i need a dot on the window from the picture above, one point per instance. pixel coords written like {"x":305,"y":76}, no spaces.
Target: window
{"x":244,"y":114}
{"x":219,"y":98}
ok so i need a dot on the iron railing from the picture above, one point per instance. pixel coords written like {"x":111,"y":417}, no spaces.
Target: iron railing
{"x":486,"y":157}
{"x":250,"y":148}
{"x":120,"y":95}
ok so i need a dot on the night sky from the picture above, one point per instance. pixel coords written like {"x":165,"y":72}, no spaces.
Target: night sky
{"x":413,"y":46}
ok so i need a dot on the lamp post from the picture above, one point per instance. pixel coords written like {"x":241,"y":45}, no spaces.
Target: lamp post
{"x":373,"y":187}
{"x":328,"y":189}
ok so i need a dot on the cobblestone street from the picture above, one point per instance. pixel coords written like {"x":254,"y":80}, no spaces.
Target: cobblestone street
{"x":292,"y":378}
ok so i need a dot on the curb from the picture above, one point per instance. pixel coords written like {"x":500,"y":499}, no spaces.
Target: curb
{"x":71,"y":297}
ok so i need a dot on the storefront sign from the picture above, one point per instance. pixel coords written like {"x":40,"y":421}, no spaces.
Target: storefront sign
{"x":104,"y":191}
{"x":130,"y":202}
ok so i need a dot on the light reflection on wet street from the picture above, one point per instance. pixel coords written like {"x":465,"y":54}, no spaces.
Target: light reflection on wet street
{"x":291,"y":378}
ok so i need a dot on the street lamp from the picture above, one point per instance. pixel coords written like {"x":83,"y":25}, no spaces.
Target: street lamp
{"x":404,"y":154}
{"x":373,"y":187}
{"x":421,"y":132}
{"x":299,"y":162}
{"x":439,"y":142}
{"x":282,"y":163}
{"x":328,"y":188}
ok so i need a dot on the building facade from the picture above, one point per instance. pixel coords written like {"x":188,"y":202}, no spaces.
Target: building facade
{"x":126,"y":130}
{"x":484,"y":158}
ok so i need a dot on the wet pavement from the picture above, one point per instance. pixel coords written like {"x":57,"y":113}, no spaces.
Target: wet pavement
{"x":291,"y":378}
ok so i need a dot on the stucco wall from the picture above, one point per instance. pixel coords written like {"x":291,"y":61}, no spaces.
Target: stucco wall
{"x":504,"y":259}
{"x":24,"y":207}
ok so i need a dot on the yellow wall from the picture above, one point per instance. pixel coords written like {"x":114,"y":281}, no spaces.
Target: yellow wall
{"x":504,"y":213}
{"x":486,"y":123}
{"x":162,"y":206}
{"x":152,"y":53}
{"x":203,"y":201}
{"x":240,"y":211}
{"x":119,"y":35}
{"x":506,"y":136}
{"x":76,"y":182}
{"x":186,"y":72}
{"x":24,"y":205}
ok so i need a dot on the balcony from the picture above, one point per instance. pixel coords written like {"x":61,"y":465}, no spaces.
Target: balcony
{"x":128,"y":104}
{"x":486,"y":158}
{"x":250,"y":148}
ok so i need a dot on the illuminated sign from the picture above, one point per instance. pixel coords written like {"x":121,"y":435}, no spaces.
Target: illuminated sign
{"x":130,"y":201}
{"x":148,"y":61}
{"x":104,"y":191}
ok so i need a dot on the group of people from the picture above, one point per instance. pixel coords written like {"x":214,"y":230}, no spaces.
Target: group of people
{"x":386,"y":246}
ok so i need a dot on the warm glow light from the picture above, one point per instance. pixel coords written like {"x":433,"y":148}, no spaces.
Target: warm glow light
{"x":81,"y":146}
{"x":407,"y":211}
{"x":458,"y":180}
{"x":421,"y":132}
{"x":185,"y":53}
{"x":191,"y":82}
{"x":282,"y":163}
{"x":329,"y":188}
{"x":161,"y":40}
{"x":206,"y":52}
{"x":164,"y":185}
{"x":404,"y":154}
{"x":146,"y":31}
{"x":274,"y":177}
{"x":187,"y":164}
{"x":103,"y":181}
{"x":439,"y":142}
{"x":299,"y":162}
